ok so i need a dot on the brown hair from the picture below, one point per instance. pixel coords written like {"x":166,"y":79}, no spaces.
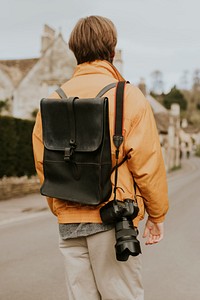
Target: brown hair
{"x":93,"y":38}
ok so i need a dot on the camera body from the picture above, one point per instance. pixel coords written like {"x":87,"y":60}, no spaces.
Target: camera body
{"x":114,"y":210}
{"x":121,"y":213}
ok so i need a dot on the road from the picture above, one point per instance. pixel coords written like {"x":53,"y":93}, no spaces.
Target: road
{"x":31,"y":264}
{"x":172,"y":268}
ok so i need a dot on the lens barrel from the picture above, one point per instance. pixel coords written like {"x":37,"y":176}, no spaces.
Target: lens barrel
{"x":126,"y":240}
{"x":121,"y":214}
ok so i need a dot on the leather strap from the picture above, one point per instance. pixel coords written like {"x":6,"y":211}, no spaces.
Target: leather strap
{"x":118,"y":137}
{"x":70,"y":105}
{"x":72,"y":126}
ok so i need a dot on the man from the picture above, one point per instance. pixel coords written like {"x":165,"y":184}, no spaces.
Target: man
{"x":92,"y":271}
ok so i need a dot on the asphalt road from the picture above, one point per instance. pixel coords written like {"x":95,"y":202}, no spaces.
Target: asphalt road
{"x":172,"y":268}
{"x":31,"y":264}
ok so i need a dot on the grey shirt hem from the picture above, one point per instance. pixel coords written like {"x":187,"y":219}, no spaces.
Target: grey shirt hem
{"x":71,"y":231}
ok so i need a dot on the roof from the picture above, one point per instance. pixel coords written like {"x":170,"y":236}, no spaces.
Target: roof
{"x":156,"y":106}
{"x":190,"y":129}
{"x":17,"y":69}
{"x":162,"y":122}
{"x":161,"y":114}
{"x":22,"y":66}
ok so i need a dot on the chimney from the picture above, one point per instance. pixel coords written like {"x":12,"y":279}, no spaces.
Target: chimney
{"x":47,"y":39}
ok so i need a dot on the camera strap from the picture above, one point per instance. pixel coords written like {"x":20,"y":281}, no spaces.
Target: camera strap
{"x":118,"y":137}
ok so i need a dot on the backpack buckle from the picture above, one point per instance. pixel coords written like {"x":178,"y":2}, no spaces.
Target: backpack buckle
{"x":67,"y":154}
{"x":69,"y":151}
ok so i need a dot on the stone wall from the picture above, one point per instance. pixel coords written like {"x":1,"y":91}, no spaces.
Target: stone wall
{"x":11,"y":187}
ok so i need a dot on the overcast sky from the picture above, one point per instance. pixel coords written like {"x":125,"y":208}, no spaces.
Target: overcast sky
{"x":153,"y":34}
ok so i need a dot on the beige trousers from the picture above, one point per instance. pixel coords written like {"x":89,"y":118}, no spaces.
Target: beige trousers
{"x":93,"y":273}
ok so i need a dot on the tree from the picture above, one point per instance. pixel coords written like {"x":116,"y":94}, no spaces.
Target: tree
{"x":175,"y":96}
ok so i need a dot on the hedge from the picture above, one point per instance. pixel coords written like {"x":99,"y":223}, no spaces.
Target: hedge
{"x":16,"y":155}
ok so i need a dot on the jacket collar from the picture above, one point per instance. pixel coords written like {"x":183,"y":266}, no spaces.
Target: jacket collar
{"x":98,"y":67}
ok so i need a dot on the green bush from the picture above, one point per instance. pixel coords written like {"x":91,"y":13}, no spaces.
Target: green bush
{"x":175,"y":96}
{"x":16,"y":155}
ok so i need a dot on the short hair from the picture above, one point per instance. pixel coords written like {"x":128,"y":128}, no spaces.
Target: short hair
{"x":93,"y":38}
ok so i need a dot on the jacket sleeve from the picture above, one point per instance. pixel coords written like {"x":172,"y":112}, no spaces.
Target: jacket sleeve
{"x":146,"y":163}
{"x":38,"y":151}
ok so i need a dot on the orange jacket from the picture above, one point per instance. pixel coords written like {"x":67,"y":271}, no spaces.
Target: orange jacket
{"x":140,"y":133}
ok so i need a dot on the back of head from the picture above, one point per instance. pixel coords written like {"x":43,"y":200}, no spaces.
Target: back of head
{"x":93,"y":38}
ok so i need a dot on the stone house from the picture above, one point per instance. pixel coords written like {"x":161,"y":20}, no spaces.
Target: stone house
{"x":168,"y":126}
{"x":24,"y":82}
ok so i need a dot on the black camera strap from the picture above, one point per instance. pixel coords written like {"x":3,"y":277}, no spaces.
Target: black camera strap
{"x":118,"y":137}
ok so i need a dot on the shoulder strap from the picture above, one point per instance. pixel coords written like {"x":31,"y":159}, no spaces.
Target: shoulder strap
{"x":61,"y":93}
{"x":118,"y":137}
{"x":106,"y":89}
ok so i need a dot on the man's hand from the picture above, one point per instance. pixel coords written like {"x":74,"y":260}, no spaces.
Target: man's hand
{"x":154,"y":232}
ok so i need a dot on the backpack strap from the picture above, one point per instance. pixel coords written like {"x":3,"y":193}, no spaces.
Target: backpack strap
{"x":61,"y":93}
{"x":106,"y":89}
{"x":72,"y":126}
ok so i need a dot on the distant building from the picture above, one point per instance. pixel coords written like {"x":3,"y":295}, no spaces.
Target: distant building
{"x":189,"y":137}
{"x":25,"y":81}
{"x":168,"y":126}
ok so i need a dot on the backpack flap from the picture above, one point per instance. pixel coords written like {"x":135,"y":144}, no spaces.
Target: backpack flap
{"x":66,"y":128}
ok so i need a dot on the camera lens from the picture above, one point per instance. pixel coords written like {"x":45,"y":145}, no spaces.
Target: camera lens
{"x":126,"y":240}
{"x":121,"y":213}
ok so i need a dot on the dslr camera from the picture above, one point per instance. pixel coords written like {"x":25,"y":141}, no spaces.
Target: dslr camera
{"x":121,"y":213}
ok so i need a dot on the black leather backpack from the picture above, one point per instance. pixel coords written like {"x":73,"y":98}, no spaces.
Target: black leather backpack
{"x":77,"y":152}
